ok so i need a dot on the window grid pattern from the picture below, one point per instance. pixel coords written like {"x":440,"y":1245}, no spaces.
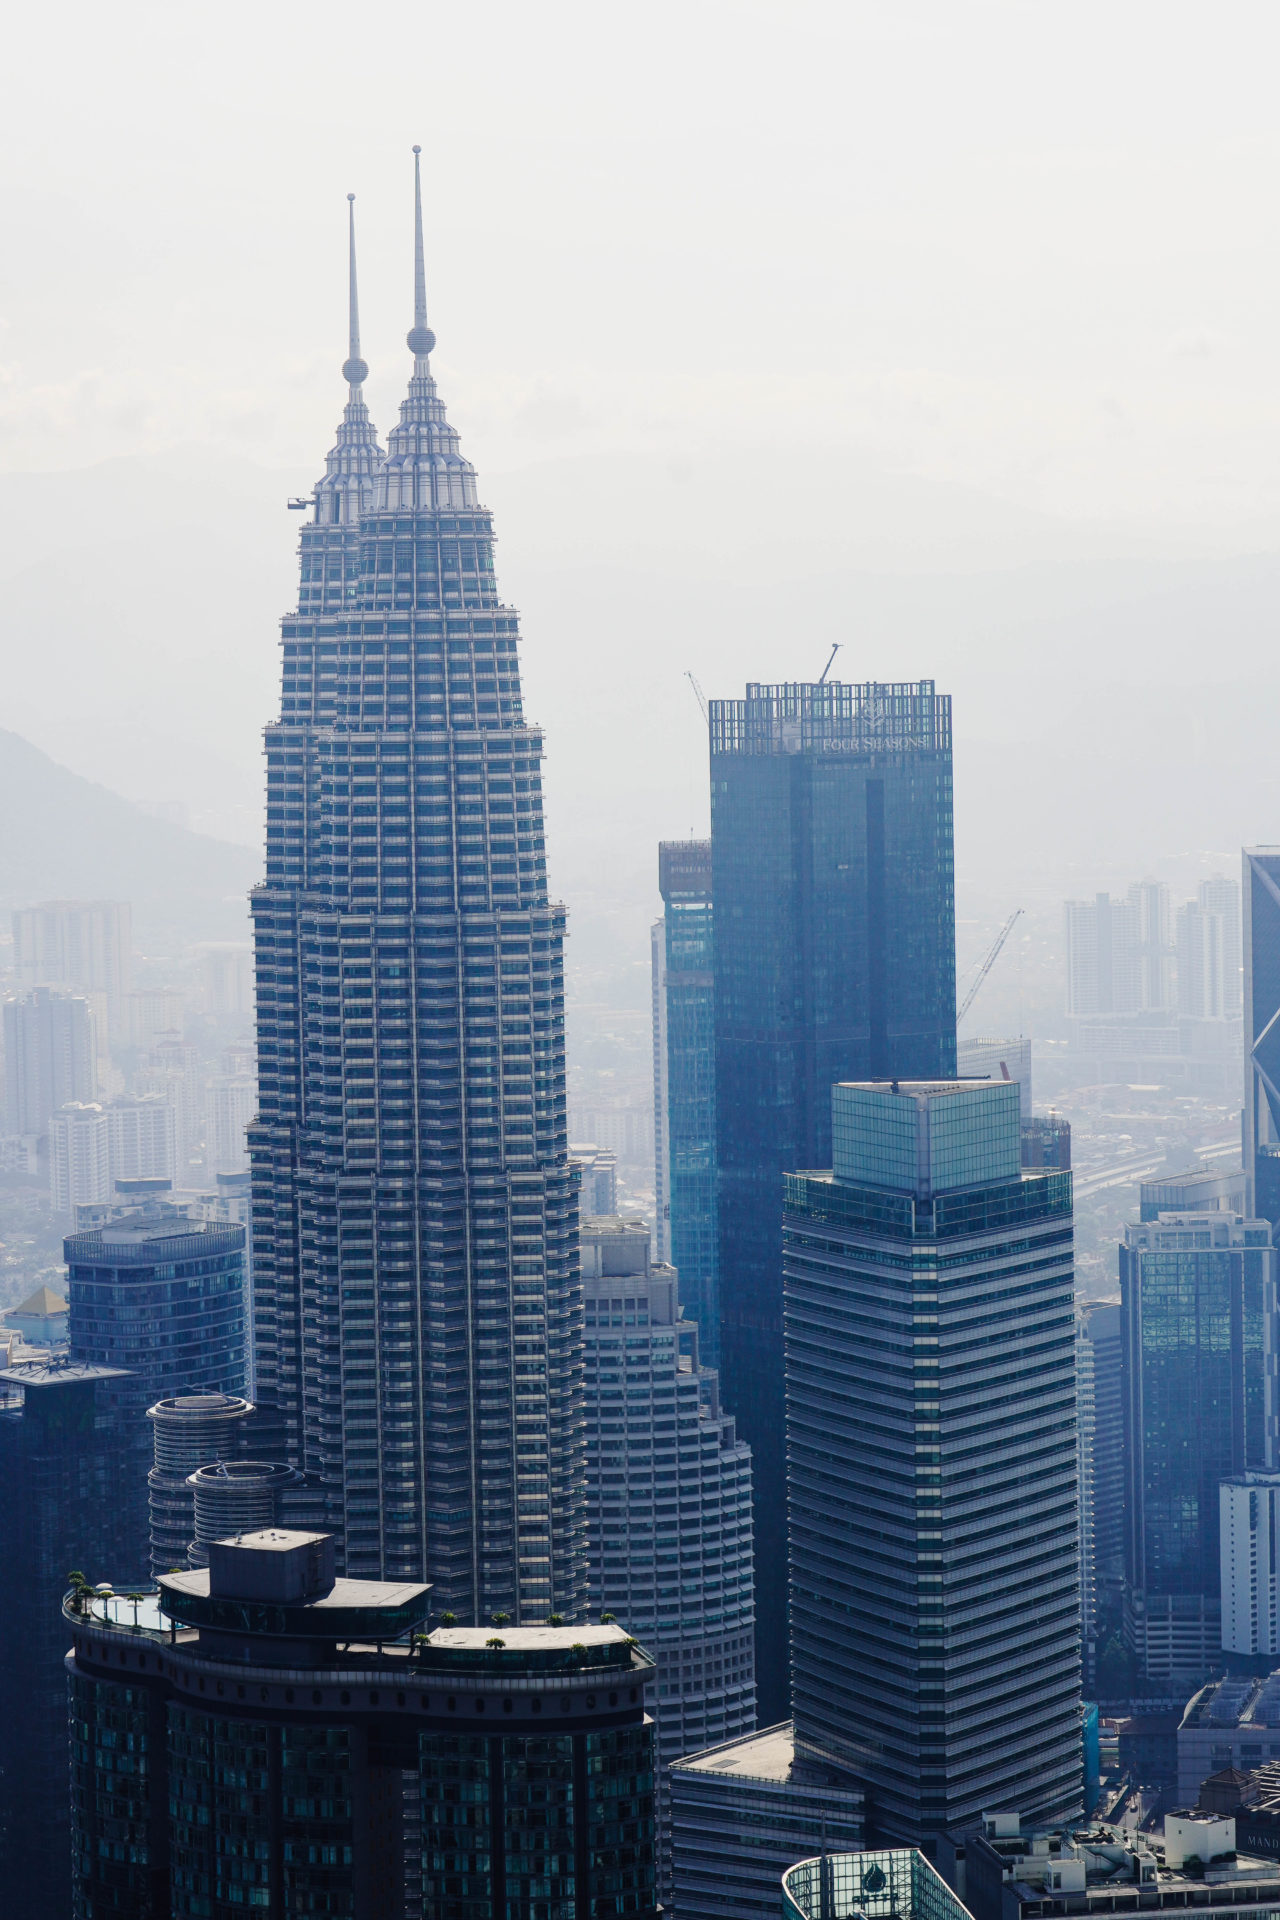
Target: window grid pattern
{"x":417,"y":1303}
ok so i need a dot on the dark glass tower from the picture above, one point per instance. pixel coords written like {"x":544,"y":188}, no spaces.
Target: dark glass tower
{"x":689,"y":1120}
{"x":831,"y":842}
{"x":417,"y":1301}
{"x":68,"y":1472}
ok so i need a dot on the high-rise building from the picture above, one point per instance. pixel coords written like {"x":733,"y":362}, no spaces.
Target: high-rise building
{"x":161,"y":1295}
{"x":92,"y":1147}
{"x":831,"y":837}
{"x":50,"y":1057}
{"x":232,"y":1104}
{"x":1100,"y":1332}
{"x":142,"y":1135}
{"x":597,"y":1170}
{"x":79,"y":1156}
{"x":64,"y":1465}
{"x":86,"y":944}
{"x":1198,"y":1309}
{"x":668,"y":1498}
{"x":1120,"y":953}
{"x":1261,"y":943}
{"x":527,"y":1751}
{"x":743,"y":1812}
{"x":930,"y":1338}
{"x":1209,"y":953}
{"x":1249,"y":1546}
{"x":417,"y":1299}
{"x":684,"y":1080}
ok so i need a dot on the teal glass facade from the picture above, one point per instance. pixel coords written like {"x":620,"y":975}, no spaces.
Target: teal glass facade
{"x":688,"y":933}
{"x":831,"y":848}
{"x":933,"y":1477}
{"x":892,"y":1884}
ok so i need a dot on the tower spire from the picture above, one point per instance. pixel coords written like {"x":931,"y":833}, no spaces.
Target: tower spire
{"x":420,"y":339}
{"x":354,"y":369}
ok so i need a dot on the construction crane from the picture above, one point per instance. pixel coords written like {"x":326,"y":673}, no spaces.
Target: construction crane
{"x":989,"y":962}
{"x":826,"y":670}
{"x":702,"y":698}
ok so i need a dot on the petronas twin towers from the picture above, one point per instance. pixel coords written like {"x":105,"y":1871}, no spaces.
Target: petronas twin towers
{"x":417,"y":1295}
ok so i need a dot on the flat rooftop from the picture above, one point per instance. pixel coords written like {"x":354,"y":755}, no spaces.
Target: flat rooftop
{"x":768,"y":1755}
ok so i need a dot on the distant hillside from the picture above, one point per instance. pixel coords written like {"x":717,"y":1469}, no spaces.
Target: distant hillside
{"x":62,"y":837}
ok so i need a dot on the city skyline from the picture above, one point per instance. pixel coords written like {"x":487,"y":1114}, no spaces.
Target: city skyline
{"x":822,"y":1405}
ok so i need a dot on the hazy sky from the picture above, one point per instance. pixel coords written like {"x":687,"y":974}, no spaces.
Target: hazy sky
{"x":1030,"y":246}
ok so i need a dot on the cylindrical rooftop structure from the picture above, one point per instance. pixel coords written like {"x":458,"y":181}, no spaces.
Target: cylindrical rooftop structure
{"x":188,"y":1431}
{"x":233,"y":1497}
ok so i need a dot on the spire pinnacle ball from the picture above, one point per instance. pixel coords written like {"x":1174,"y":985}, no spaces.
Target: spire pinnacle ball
{"x":420,"y":340}
{"x":354,"y":371}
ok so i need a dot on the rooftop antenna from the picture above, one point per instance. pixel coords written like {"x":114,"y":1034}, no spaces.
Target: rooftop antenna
{"x":354,"y":369}
{"x":822,"y":677}
{"x":421,"y":340}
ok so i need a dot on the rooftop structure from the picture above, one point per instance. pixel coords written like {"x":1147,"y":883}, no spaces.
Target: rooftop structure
{"x":530,"y":1747}
{"x":1234,"y":1722}
{"x":41,"y":1319}
{"x":1012,"y":1874}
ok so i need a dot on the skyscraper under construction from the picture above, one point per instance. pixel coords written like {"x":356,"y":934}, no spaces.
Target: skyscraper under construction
{"x":417,"y":1294}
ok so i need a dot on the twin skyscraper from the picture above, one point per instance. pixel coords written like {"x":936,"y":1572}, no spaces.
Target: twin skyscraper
{"x":417,"y":1306}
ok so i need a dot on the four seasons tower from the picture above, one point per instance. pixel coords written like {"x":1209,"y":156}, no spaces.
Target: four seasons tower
{"x":417,"y":1297}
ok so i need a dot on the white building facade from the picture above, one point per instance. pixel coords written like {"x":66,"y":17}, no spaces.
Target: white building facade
{"x":1249,"y":1541}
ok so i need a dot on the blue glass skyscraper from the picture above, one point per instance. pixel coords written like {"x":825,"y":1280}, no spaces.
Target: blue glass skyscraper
{"x":687,"y":1124}
{"x":831,"y":844}
{"x":1198,"y":1312}
{"x":417,"y":1300}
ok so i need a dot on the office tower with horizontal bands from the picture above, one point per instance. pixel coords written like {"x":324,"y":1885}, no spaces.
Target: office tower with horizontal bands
{"x":831,"y":844}
{"x":685,"y":984}
{"x":1198,"y":1317}
{"x":931,"y":1454}
{"x":418,"y":1310}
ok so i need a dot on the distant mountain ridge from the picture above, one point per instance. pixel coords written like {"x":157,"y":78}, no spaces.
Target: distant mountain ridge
{"x":64,"y":837}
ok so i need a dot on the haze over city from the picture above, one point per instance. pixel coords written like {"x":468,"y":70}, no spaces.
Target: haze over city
{"x":638,"y":1008}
